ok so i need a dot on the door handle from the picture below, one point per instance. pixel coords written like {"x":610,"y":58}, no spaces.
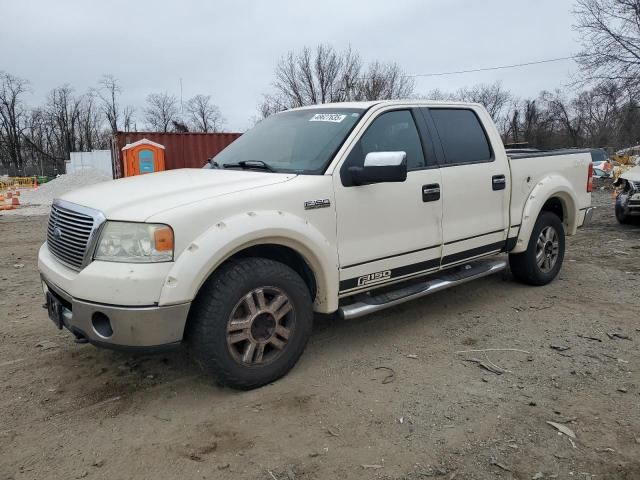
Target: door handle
{"x":498,"y":182}
{"x":431,"y":192}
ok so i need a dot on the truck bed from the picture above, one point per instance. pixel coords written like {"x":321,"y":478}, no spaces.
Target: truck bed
{"x":530,"y":169}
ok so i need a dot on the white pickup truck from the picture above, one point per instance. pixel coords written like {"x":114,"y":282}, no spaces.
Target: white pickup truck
{"x":347,"y":208}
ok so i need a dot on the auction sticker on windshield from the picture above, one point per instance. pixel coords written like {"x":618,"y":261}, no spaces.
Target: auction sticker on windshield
{"x":328,"y":117}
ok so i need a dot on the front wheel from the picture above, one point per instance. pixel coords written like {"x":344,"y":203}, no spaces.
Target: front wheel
{"x":542,"y":260}
{"x":250,"y":322}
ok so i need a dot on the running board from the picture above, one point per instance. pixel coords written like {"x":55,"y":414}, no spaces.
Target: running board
{"x":448,"y":278}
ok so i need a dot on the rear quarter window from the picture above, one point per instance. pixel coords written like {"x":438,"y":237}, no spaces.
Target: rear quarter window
{"x":461,"y":134}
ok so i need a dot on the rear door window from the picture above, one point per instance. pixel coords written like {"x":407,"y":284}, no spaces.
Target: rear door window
{"x":461,"y":134}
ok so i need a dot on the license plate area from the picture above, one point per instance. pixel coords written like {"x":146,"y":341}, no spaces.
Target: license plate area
{"x":54,"y":309}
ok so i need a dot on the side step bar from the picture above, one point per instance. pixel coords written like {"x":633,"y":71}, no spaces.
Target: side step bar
{"x":446,"y":279}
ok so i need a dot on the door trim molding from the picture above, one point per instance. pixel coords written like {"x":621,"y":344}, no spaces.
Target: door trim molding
{"x":390,"y":256}
{"x":475,"y":236}
{"x":373,"y":280}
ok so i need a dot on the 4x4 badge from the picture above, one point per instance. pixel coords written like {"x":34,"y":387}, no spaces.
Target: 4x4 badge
{"x":312,"y":204}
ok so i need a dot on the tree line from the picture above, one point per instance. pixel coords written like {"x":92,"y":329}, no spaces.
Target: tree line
{"x":599,"y":108}
{"x":38,"y":139}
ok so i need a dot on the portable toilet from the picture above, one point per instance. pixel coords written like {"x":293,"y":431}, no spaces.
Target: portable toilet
{"x":143,"y":156}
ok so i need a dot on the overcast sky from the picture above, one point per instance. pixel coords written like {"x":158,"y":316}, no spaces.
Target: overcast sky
{"x":228,"y":49}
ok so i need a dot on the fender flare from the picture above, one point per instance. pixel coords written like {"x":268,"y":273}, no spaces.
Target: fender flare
{"x":551,"y":186}
{"x":233,"y":234}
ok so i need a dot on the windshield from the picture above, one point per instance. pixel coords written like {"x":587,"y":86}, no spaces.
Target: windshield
{"x":299,"y":141}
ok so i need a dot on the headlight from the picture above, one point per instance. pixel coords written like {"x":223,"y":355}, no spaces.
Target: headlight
{"x":135,"y":243}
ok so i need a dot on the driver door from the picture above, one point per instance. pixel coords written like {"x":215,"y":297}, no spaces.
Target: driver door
{"x":389,"y":231}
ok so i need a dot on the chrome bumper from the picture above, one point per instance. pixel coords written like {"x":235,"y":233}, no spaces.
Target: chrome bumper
{"x":121,"y":327}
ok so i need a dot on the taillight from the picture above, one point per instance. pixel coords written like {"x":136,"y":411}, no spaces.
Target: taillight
{"x":590,"y":178}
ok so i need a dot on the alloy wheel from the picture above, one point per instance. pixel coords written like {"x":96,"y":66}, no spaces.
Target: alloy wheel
{"x":260,"y":326}
{"x":547,"y":249}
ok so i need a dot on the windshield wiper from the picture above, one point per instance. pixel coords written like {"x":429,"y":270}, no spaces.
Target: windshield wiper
{"x":250,"y":164}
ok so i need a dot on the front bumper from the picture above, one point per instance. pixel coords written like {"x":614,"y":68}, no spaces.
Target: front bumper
{"x":114,"y":326}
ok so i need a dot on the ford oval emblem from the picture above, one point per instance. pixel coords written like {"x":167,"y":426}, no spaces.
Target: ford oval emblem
{"x":57,"y":233}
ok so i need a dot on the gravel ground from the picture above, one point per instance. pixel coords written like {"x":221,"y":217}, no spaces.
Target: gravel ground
{"x":383,"y":397}
{"x":38,"y":201}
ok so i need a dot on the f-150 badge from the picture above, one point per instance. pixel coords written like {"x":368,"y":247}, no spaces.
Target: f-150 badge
{"x":313,"y":204}
{"x":374,"y":278}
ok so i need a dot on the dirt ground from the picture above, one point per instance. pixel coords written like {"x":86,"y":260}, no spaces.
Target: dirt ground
{"x":384,"y":397}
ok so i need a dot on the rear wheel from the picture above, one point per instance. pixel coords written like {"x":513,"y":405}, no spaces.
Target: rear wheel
{"x":250,"y":322}
{"x":542,"y":260}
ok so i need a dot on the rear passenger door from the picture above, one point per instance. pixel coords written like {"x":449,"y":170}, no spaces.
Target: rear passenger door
{"x":475,"y":193}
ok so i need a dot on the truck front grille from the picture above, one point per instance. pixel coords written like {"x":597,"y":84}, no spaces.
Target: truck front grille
{"x":70,"y":233}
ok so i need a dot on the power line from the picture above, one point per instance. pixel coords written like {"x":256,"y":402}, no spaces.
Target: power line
{"x":502,"y":67}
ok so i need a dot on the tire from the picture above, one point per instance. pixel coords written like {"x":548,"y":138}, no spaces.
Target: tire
{"x":250,"y":301}
{"x":525,"y":266}
{"x":620,"y":216}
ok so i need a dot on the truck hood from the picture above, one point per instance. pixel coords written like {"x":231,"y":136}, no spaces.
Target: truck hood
{"x":138,"y":198}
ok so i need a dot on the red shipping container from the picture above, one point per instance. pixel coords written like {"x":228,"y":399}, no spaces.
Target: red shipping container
{"x":182,"y":150}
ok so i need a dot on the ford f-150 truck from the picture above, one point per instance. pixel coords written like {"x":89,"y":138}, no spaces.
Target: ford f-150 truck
{"x":347,"y":208}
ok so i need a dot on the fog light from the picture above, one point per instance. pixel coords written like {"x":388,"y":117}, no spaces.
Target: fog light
{"x":101,"y":324}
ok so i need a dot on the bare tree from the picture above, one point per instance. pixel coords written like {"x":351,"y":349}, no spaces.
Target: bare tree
{"x":384,"y":81}
{"x":568,"y":122}
{"x":204,"y":116}
{"x":492,"y":96}
{"x":12,"y":119}
{"x":610,"y":34}
{"x":129,"y":122}
{"x":109,"y":92}
{"x":161,"y":111}
{"x":63,"y":111}
{"x":325,"y":75}
{"x":40,"y":143}
{"x":436,"y":94}
{"x":90,"y":123}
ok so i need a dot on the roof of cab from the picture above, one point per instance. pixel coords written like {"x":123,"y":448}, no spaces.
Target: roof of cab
{"x":369,"y":104}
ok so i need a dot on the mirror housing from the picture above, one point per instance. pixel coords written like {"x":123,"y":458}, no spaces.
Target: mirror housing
{"x":381,"y":167}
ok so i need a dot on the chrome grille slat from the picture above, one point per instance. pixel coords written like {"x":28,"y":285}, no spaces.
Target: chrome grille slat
{"x":62,"y":256}
{"x":82,"y":239}
{"x":81,"y":231}
{"x":73,"y":219}
{"x":70,"y":250}
{"x":71,"y":233}
{"x":73,"y":242}
{"x":58,"y":252}
{"x":80,"y":216}
{"x":68,"y":226}
{"x":72,"y":222}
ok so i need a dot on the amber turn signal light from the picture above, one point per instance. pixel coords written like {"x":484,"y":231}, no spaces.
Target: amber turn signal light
{"x":163,"y":239}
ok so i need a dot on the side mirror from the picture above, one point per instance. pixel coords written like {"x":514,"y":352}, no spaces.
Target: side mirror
{"x":380,"y":167}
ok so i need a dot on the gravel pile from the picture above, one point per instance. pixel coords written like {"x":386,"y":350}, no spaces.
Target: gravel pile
{"x":38,"y":202}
